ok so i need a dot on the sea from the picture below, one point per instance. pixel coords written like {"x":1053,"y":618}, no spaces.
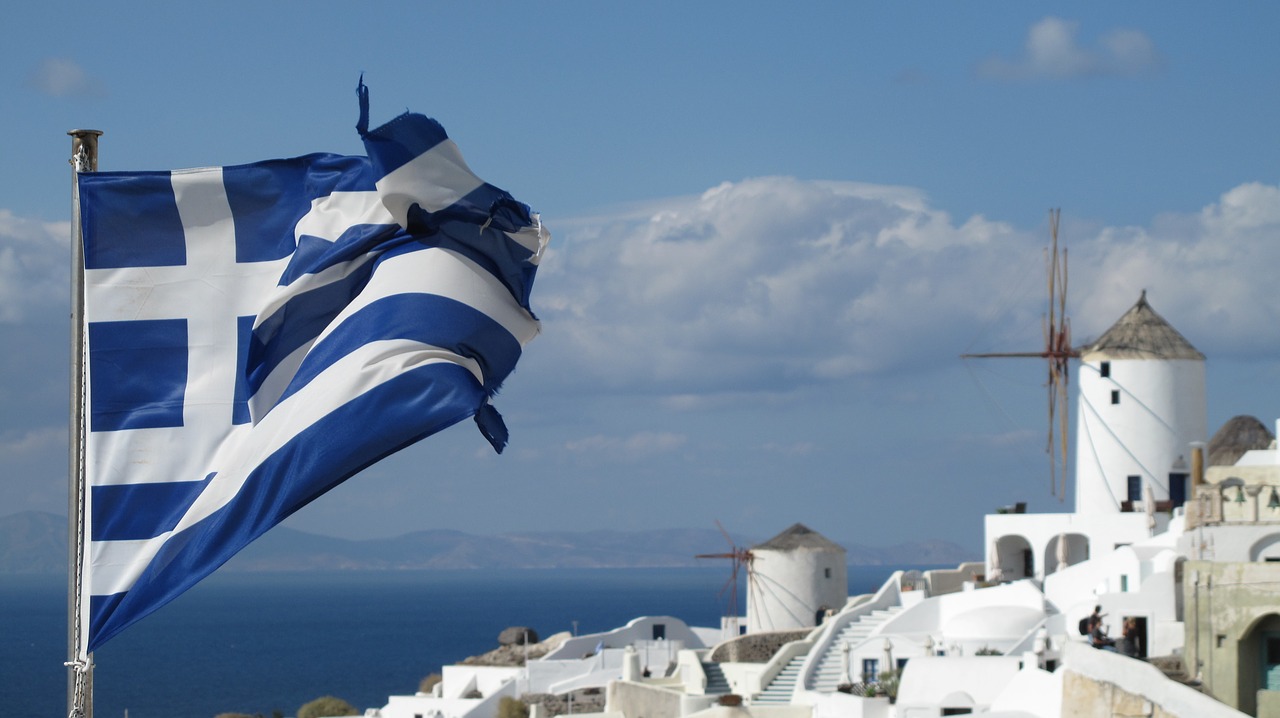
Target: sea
{"x":266,"y":643}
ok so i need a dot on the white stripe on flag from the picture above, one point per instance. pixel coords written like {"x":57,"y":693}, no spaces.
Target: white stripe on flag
{"x":433,"y":180}
{"x":334,"y":214}
{"x":449,"y":275}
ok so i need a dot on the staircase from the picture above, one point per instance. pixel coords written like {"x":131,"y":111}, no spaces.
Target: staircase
{"x":783,"y":685}
{"x":830,"y":670}
{"x":828,"y":673}
{"x":716,"y":682}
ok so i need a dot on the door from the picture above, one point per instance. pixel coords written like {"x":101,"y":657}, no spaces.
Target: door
{"x":1271,"y":662}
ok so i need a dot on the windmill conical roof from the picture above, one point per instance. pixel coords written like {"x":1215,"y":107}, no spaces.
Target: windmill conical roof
{"x":1142,"y":334}
{"x":1238,"y":435}
{"x":798,"y":536}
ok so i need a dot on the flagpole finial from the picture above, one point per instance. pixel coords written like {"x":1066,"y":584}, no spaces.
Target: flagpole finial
{"x":84,"y":149}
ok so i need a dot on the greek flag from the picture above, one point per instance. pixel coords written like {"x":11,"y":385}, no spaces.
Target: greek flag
{"x":257,"y":334}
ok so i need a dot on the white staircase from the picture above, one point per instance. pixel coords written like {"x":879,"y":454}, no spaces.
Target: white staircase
{"x":783,"y":685}
{"x":830,"y":669}
{"x":716,"y":681}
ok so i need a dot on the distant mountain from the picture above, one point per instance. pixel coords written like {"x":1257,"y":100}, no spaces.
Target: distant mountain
{"x":36,"y":542}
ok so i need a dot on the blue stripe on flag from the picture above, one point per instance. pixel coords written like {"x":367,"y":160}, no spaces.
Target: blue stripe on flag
{"x":141,"y":511}
{"x":394,"y":415}
{"x":314,"y":255}
{"x":492,"y":250}
{"x":268,"y":198}
{"x":454,"y":327}
{"x":139,"y":374}
{"x":244,"y":338}
{"x":131,"y":221}
{"x":301,"y":319}
{"x":401,"y":141}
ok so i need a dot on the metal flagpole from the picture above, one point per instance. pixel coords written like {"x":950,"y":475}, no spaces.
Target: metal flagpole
{"x":84,"y":158}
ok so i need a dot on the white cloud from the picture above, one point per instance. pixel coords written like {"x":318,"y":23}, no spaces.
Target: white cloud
{"x":63,"y":77}
{"x":1210,"y":273}
{"x":641,"y":444}
{"x":759,"y":284}
{"x":1052,"y":51}
{"x":759,"y":288}
{"x":34,"y":267}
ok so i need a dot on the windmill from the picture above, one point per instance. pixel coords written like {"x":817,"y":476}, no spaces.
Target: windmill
{"x":1058,"y":352}
{"x":740,"y":557}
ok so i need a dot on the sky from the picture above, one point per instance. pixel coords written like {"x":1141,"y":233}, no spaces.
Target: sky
{"x":774,"y":233}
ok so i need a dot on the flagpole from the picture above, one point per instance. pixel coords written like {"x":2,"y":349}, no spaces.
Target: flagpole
{"x":84,"y":158}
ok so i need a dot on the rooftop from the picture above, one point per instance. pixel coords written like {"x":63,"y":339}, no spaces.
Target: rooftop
{"x":1142,"y":334}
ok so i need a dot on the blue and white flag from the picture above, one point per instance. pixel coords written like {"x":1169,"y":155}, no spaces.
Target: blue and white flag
{"x":257,"y":334}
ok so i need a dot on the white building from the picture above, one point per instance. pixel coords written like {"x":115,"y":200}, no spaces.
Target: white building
{"x":795,"y":579}
{"x":1141,"y":403}
{"x":1140,"y":408}
{"x":1001,"y":637}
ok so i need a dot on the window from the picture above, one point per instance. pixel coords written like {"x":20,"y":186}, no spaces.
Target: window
{"x":1124,"y":584}
{"x":1105,"y":369}
{"x":659,"y":631}
{"x":826,"y":573}
{"x":870,"y":670}
{"x":1115,"y":396}
{"x":1134,"y":484}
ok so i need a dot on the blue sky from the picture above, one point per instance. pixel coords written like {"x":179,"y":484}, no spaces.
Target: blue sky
{"x":774,"y":232}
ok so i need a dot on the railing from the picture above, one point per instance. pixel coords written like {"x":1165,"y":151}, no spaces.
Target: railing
{"x":889,"y":595}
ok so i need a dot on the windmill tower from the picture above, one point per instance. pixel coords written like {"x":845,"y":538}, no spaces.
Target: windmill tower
{"x":1058,"y":352}
{"x":1141,"y":404}
{"x":795,"y":578}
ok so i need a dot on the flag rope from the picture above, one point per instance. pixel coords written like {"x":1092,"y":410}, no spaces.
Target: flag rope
{"x":84,"y":158}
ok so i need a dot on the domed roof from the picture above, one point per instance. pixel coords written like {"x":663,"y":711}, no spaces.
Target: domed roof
{"x":796,"y":537}
{"x":1141,"y":334}
{"x":1238,"y":435}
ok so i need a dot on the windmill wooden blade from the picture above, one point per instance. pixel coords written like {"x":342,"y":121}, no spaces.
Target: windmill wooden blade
{"x":738,"y":557}
{"x":1059,"y":352}
{"x":1062,"y":430}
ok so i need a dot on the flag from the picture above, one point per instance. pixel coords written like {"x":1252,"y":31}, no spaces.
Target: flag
{"x":257,"y":334}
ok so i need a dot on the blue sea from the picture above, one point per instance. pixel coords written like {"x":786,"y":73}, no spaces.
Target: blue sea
{"x":257,"y":643}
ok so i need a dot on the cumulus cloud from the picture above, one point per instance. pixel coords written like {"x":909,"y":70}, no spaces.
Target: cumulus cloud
{"x":63,"y":77}
{"x":1053,"y":51}
{"x":34,"y":267}
{"x":1208,"y":272}
{"x":762,"y":283}
{"x":762,"y":287}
